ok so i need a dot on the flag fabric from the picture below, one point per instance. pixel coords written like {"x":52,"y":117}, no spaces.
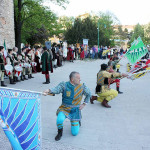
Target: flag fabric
{"x":139,"y":74}
{"x":20,"y":118}
{"x":136,"y":51}
{"x":105,"y":52}
{"x":5,"y":50}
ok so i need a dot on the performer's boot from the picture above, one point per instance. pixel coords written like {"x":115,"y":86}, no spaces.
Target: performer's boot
{"x":29,"y":77}
{"x":80,"y":123}
{"x":47,"y":81}
{"x":105,"y":104}
{"x":12,"y":81}
{"x":24,"y":77}
{"x":119,"y":91}
{"x":92,"y":99}
{"x":2,"y":84}
{"x":59,"y":135}
{"x":16,"y":79}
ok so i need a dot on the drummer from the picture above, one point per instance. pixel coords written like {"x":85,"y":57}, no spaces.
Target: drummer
{"x":22,"y":58}
{"x":16,"y":61}
{"x":29,"y":60}
{"x":9,"y":61}
{"x":2,"y":69}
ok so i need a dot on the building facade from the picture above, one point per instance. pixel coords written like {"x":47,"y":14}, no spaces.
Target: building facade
{"x":7,"y":23}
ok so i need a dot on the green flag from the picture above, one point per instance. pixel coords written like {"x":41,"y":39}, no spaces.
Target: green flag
{"x":5,"y":51}
{"x":136,"y":51}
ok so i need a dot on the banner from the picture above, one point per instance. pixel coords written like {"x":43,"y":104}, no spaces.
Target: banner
{"x":136,"y":51}
{"x":85,"y":41}
{"x":5,"y":50}
{"x":20,"y":118}
{"x":48,"y":44}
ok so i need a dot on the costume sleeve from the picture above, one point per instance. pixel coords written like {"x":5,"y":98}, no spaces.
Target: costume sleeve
{"x":87,"y":93}
{"x":111,"y":75}
{"x":58,"y":89}
{"x":8,"y":61}
{"x":116,"y":74}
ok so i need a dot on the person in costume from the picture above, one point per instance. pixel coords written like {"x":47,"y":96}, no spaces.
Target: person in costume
{"x":2,"y":68}
{"x":46,"y":65}
{"x":105,"y":94}
{"x":10,"y":61}
{"x":82,"y":54}
{"x":111,"y":80}
{"x":16,"y":61}
{"x":22,"y":58}
{"x":70,"y":55}
{"x":115,"y":62}
{"x":29,"y":60}
{"x":38,"y":59}
{"x":72,"y":93}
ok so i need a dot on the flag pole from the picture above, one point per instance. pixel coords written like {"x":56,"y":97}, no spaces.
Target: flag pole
{"x":7,"y":88}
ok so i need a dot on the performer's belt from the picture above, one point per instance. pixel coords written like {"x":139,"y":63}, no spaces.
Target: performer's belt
{"x":72,"y":106}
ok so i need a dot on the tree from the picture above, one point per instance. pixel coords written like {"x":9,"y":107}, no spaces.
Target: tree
{"x":87,"y":28}
{"x":138,"y":31}
{"x":24,"y":10}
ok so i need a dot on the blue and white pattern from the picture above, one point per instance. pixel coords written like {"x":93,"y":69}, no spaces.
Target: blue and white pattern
{"x":20,"y":118}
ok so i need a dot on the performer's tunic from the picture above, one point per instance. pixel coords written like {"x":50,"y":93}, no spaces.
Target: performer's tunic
{"x":46,"y":65}
{"x":71,"y":99}
{"x":102,"y":88}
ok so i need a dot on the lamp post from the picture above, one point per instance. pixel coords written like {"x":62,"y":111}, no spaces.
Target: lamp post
{"x":98,"y":35}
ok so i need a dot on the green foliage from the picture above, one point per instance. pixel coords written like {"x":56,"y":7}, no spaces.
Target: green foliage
{"x":138,"y":31}
{"x":35,"y":23}
{"x":88,"y":29}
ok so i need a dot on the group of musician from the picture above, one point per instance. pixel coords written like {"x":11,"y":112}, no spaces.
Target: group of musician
{"x":18,"y":67}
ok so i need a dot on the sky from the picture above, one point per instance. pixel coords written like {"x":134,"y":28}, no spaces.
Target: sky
{"x":129,"y":12}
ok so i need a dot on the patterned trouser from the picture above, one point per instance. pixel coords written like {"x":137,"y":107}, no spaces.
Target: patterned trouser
{"x":117,"y":81}
{"x":108,"y":95}
{"x":2,"y":75}
{"x":74,"y":124}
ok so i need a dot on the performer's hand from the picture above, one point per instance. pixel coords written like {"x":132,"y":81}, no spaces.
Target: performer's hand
{"x":82,"y":106}
{"x":45,"y":93}
{"x":124,"y":75}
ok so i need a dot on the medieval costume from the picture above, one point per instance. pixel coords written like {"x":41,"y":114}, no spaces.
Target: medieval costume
{"x":46,"y":64}
{"x":71,"y":100}
{"x":22,"y":58}
{"x":105,"y":94}
{"x":111,"y":80}
{"x":9,"y":61}
{"x":82,"y":54}
{"x":70,"y":54}
{"x":29,"y":60}
{"x":38,"y":59}
{"x":2,"y":63}
{"x":16,"y":61}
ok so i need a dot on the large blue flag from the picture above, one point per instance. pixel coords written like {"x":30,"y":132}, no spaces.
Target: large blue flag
{"x":20,"y":118}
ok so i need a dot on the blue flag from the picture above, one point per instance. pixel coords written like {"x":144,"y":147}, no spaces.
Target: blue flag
{"x":20,"y":118}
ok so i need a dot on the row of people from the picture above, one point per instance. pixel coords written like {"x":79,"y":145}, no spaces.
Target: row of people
{"x":15,"y":66}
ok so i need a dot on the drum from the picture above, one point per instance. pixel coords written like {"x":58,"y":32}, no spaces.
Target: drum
{"x":9,"y":69}
{"x":33,"y":64}
{"x":18,"y":70}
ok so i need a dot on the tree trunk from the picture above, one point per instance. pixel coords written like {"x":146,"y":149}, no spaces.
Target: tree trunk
{"x":18,"y":26}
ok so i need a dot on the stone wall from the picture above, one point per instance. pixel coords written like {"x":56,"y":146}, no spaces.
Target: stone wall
{"x":7,"y":23}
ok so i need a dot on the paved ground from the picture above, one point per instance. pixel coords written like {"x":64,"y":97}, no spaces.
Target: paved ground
{"x":125,"y":126}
